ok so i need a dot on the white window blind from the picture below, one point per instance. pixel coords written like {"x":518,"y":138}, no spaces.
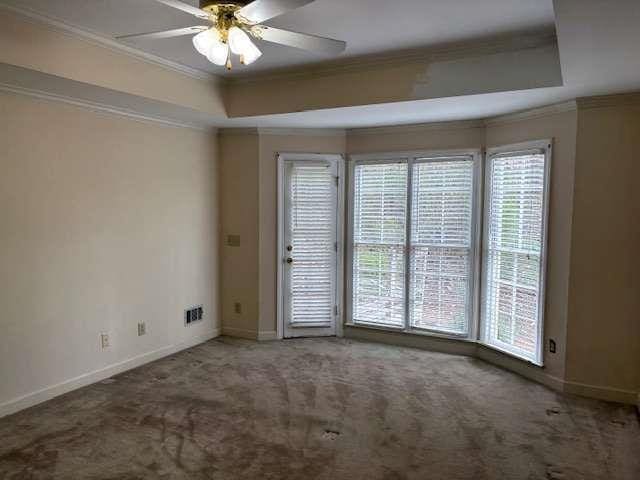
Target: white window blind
{"x":312,"y":237}
{"x":379,"y":243}
{"x":513,"y":256}
{"x":440,"y":287}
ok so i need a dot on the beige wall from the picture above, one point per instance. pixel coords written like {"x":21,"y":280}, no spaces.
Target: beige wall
{"x":239,"y":153}
{"x":445,"y":136}
{"x":270,"y":146}
{"x":604,"y":295}
{"x":561,"y":128}
{"x":105,"y":222}
{"x":250,"y":209}
{"x":496,"y":64}
{"x":39,"y":47}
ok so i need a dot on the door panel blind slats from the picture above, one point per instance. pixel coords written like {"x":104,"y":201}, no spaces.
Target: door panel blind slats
{"x":441,"y":245}
{"x":513,"y":253}
{"x":379,"y":243}
{"x":312,"y":230}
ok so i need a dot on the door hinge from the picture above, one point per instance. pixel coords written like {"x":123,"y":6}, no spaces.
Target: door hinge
{"x":337,"y":181}
{"x":335,"y":246}
{"x":335,"y":310}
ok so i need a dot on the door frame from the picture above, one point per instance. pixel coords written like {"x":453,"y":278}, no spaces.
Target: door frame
{"x":284,"y":157}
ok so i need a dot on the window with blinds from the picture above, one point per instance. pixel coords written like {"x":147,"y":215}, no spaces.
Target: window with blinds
{"x":515,"y":218}
{"x":440,"y":286}
{"x":414,"y":250}
{"x":379,"y":243}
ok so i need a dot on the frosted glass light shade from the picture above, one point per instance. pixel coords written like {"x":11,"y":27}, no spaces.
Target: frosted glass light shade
{"x":204,"y":40}
{"x":219,"y":53}
{"x":238,"y":41}
{"x":252,"y":54}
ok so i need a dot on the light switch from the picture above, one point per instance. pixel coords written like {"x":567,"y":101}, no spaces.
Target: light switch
{"x":233,"y":240}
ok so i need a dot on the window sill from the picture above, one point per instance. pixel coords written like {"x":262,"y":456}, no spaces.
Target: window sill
{"x":447,"y":338}
{"x":411,"y":331}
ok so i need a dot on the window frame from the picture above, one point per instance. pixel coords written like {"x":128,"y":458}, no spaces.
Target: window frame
{"x":535,"y":146}
{"x":411,"y":158}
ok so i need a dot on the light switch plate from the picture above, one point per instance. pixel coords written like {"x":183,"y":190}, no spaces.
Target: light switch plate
{"x":233,"y":240}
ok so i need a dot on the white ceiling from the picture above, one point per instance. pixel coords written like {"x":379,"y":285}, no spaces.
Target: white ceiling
{"x":598,"y":52}
{"x":368,"y":26}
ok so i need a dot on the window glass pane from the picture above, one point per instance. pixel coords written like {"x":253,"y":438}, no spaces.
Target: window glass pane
{"x":441,"y":245}
{"x":514,"y":236}
{"x":379,"y":243}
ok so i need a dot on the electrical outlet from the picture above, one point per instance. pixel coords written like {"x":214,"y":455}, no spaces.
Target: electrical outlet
{"x":142,"y":329}
{"x":104,"y":340}
{"x":552,"y":346}
{"x":237,"y":307}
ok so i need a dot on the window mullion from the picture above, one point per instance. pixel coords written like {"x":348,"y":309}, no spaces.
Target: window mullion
{"x":407,"y":253}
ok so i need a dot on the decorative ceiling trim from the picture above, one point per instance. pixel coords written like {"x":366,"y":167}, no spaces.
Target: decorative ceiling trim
{"x":303,"y":132}
{"x":99,"y":107}
{"x":106,"y":42}
{"x":616,"y":100}
{"x":287,"y":132}
{"x":402,"y":58}
{"x":530,"y":114}
{"x":230,"y":131}
{"x":416,"y":128}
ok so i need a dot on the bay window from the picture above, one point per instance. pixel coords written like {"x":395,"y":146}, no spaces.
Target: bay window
{"x":415,"y":225}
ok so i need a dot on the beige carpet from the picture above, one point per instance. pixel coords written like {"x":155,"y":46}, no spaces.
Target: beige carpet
{"x":319,"y":409}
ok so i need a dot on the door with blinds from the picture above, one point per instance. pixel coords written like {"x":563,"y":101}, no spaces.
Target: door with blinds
{"x":310,"y":245}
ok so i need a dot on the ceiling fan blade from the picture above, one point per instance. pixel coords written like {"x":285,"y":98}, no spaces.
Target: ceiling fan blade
{"x":185,"y":7}
{"x":178,"y":32}
{"x":261,"y":10}
{"x":302,"y":41}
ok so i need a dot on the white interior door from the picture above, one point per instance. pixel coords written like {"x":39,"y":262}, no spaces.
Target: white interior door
{"x":309,"y":247}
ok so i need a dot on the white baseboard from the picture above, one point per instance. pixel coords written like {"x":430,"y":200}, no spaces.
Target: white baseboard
{"x":602,"y":393}
{"x":267,"y":336}
{"x":34,"y":398}
{"x":524,"y":369}
{"x":240,"y":333}
{"x":494,"y":357}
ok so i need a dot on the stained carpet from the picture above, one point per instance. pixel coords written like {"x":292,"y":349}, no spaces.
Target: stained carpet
{"x":319,"y":409}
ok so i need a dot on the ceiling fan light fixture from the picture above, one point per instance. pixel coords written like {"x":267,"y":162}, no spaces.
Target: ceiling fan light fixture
{"x":219,"y":53}
{"x":242,"y":45}
{"x":232,"y":26}
{"x":205,"y":40}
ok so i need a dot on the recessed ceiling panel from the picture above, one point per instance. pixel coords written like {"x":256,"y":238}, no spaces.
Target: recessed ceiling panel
{"x":369,"y":26}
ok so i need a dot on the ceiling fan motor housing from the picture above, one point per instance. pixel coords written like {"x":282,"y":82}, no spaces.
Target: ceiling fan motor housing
{"x":213,"y":5}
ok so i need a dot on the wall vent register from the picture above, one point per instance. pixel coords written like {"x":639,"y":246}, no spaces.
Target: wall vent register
{"x":193,"y":315}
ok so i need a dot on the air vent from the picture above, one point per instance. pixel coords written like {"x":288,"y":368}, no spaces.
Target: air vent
{"x":193,"y":315}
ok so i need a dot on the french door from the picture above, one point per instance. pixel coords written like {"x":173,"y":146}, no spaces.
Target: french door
{"x":309,"y":244}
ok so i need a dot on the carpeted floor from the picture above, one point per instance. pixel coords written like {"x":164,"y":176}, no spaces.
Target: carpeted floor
{"x":319,"y":409}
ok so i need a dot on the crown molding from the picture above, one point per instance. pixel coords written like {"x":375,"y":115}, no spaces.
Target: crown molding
{"x":555,"y":109}
{"x":100,"y":107}
{"x":450,"y":51}
{"x":416,"y":128}
{"x":617,"y":100}
{"x":285,"y":132}
{"x":303,"y":132}
{"x":233,"y":132}
{"x":106,"y":42}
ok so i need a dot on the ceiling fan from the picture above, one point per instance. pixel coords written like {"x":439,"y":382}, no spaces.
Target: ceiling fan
{"x":232,"y":23}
